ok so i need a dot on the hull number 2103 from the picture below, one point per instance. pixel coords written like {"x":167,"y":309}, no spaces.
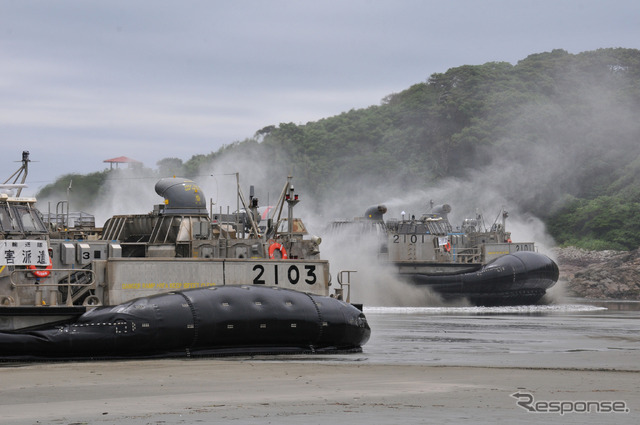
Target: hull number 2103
{"x":293,"y":275}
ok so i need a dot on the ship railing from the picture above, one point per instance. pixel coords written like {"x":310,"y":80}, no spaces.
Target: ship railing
{"x":78,"y":282}
{"x":343,"y":284}
{"x":467,"y":255}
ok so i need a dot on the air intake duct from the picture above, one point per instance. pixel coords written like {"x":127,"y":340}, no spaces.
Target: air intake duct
{"x":181,"y":196}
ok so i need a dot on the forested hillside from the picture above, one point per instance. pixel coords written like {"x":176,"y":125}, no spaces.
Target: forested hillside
{"x":555,"y":135}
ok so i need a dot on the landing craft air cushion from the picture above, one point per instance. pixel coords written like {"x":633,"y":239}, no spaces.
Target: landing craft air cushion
{"x":480,"y":265}
{"x":59,"y":278}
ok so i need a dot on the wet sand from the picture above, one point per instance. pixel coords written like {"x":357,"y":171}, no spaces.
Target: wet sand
{"x":294,"y":390}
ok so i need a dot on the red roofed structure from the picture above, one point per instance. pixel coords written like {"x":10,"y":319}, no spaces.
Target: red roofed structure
{"x":122,"y":160}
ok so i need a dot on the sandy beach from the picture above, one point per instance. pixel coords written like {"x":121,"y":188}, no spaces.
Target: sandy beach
{"x":292,"y":391}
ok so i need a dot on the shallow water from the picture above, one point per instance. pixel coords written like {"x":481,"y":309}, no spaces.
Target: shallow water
{"x":577,"y":334}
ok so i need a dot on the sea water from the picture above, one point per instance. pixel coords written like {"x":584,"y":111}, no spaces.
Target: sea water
{"x":576,"y":334}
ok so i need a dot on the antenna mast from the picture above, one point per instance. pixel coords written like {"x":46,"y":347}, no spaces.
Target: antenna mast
{"x":22,"y":171}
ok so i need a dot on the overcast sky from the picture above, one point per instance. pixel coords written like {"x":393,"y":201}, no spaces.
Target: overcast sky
{"x":84,"y":81}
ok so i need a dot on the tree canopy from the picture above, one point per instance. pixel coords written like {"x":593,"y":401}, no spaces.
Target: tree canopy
{"x":557,"y":133}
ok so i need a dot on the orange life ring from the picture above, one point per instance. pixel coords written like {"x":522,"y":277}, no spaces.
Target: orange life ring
{"x":280,"y":248}
{"x":41,"y":272}
{"x":447,"y":247}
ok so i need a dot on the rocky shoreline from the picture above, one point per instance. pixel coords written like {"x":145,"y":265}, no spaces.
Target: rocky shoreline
{"x":599,"y":274}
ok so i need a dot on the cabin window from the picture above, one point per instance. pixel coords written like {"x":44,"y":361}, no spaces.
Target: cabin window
{"x":29,"y":220}
{"x":5,"y":219}
{"x":28,"y":224}
{"x":20,"y":219}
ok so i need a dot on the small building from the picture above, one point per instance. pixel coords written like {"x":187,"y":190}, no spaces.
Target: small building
{"x":123,"y":160}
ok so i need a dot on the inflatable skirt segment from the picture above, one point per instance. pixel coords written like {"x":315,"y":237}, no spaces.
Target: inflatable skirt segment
{"x":519,"y":278}
{"x":226,"y":320}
